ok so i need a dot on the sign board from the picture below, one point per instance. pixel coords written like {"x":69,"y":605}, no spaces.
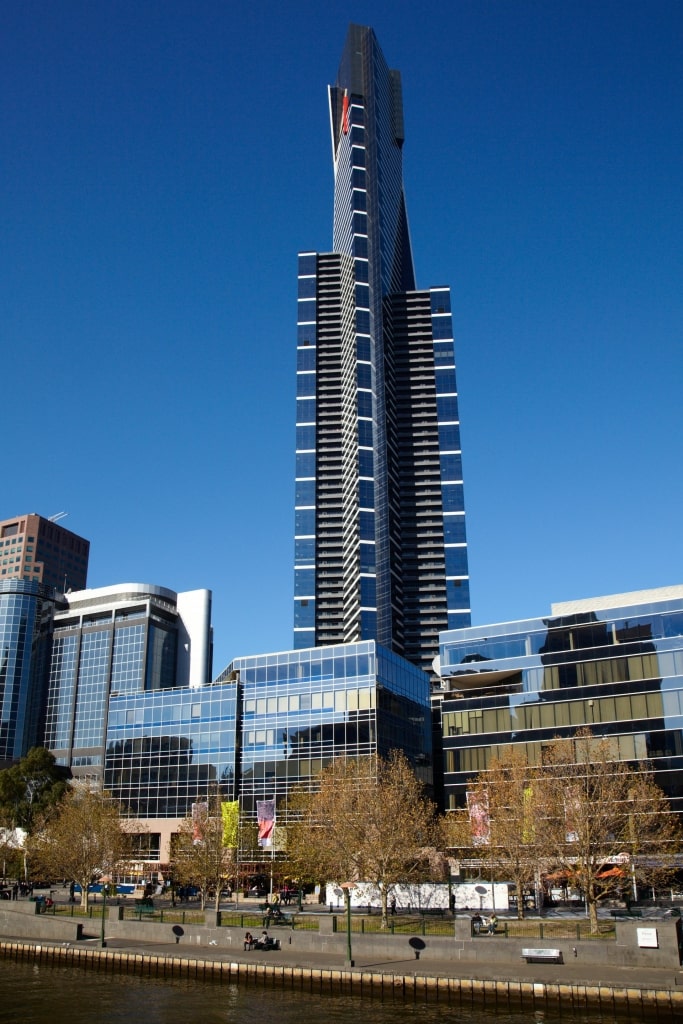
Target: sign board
{"x":647,"y":938}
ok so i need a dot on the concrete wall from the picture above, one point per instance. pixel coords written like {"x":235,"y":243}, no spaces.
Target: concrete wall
{"x":20,"y":921}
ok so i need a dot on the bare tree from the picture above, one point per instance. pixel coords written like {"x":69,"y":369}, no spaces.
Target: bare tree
{"x":367,"y":821}
{"x":607,"y":825}
{"x":85,"y":839}
{"x":499,"y":827}
{"x":200,"y":855}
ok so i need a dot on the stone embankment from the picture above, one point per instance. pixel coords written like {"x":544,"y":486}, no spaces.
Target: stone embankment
{"x":455,"y":971}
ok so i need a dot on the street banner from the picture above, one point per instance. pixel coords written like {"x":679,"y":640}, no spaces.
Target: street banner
{"x":230,"y":812}
{"x":478,"y":808}
{"x":265,"y":812}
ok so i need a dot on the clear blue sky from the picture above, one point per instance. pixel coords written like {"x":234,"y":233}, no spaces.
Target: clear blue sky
{"x":163,"y":163}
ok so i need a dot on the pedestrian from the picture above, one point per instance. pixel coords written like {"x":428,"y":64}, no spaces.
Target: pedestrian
{"x":493,"y":922}
{"x":393,"y":904}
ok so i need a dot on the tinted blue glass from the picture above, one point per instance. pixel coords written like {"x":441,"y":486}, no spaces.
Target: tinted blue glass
{"x":366,"y":493}
{"x":445,"y":382}
{"x":304,"y":613}
{"x":367,"y":525}
{"x":305,"y":334}
{"x":304,"y":582}
{"x":364,"y":375}
{"x":365,"y":463}
{"x":360,"y":246}
{"x":367,"y":558}
{"x":442,"y":327}
{"x":305,"y":358}
{"x":305,"y":410}
{"x":305,"y":438}
{"x":305,"y":492}
{"x":447,"y":409}
{"x":358,"y":177}
{"x":368,"y":623}
{"x":307,"y":287}
{"x":456,"y":561}
{"x":305,"y":385}
{"x":358,"y":157}
{"x":357,"y":135}
{"x":304,"y":522}
{"x":443,"y":354}
{"x":441,"y":301}
{"x":360,"y":200}
{"x":308,"y":264}
{"x":368,"y":591}
{"x":362,"y":295}
{"x":454,"y":529}
{"x":451,"y":469}
{"x":363,"y":349}
{"x":452,"y":497}
{"x":458,"y":593}
{"x":449,"y":441}
{"x":306,"y":310}
{"x":364,"y":403}
{"x":361,"y":270}
{"x":365,"y":433}
{"x":360,"y":223}
{"x":363,"y":321}
{"x":304,"y":551}
{"x":305,"y":464}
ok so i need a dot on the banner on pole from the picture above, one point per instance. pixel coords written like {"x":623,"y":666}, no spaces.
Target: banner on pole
{"x":265,"y":812}
{"x":230,"y":812}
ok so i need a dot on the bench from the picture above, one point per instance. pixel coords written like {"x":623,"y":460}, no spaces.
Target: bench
{"x":286,"y":919}
{"x":145,"y":908}
{"x":542,"y":956}
{"x":623,"y":912}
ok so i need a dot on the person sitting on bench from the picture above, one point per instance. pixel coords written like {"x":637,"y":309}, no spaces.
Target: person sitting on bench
{"x":249,"y":941}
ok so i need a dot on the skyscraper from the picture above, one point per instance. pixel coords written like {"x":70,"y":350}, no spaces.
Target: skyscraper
{"x":380,"y":543}
{"x":39,"y":549}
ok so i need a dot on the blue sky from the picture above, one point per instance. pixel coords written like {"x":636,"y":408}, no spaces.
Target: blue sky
{"x":163,"y":163}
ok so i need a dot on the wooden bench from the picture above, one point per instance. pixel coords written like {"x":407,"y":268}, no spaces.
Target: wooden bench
{"x":542,"y":956}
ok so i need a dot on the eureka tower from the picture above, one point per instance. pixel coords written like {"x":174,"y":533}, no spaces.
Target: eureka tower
{"x":380,"y":543}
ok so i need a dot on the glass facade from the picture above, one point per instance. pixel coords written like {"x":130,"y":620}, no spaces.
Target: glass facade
{"x":26,"y":612}
{"x":616,"y":668}
{"x":166,"y":750}
{"x":380,"y":543}
{"x":301,"y":709}
{"x":108,"y":642}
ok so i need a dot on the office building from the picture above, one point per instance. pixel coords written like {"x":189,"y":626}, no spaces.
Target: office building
{"x":26,"y":615}
{"x":127,"y":639}
{"x":613,"y":664}
{"x":38,"y":549}
{"x":167,"y":750}
{"x":380,"y":541}
{"x":301,"y":709}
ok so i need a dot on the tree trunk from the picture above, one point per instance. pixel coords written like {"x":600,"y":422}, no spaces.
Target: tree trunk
{"x":385,"y":916}
{"x":592,"y":908}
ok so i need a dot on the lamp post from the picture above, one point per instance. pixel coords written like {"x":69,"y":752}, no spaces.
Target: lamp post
{"x":347,"y":887}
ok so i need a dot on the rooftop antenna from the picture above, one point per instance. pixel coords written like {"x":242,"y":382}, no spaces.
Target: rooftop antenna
{"x":57,"y":517}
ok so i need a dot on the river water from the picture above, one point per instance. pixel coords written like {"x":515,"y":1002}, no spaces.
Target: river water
{"x":67,"y":995}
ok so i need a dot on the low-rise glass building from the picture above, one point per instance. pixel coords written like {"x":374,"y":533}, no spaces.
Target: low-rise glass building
{"x":613,"y":664}
{"x":301,"y":709}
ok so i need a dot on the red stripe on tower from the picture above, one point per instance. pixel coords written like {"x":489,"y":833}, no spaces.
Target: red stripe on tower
{"x":345,"y":112}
